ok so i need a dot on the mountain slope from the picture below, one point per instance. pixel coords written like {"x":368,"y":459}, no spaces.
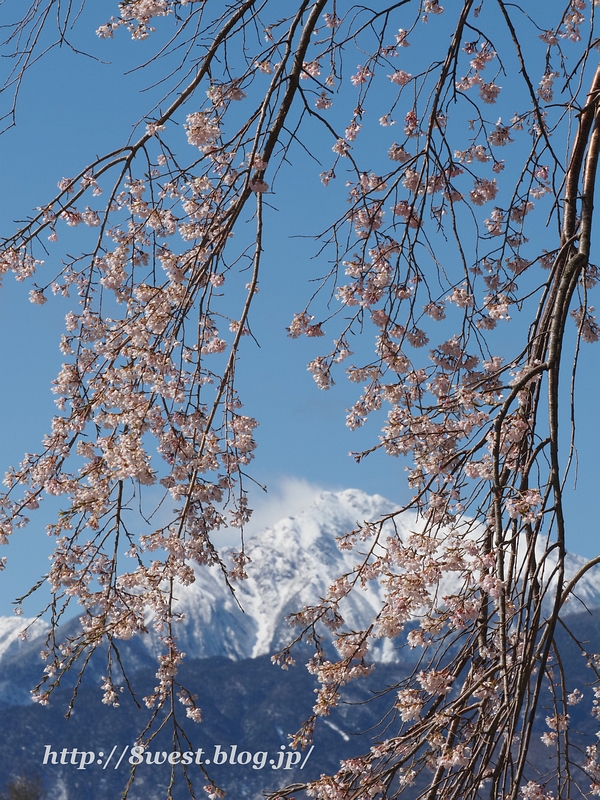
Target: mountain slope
{"x":244,"y":699}
{"x":293,"y":563}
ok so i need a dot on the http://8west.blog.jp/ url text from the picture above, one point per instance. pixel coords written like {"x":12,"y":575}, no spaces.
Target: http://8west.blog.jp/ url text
{"x":137,"y":755}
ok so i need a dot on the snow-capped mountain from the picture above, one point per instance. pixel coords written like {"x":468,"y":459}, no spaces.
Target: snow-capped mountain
{"x":244,"y":699}
{"x":11,"y":629}
{"x":293,"y":563}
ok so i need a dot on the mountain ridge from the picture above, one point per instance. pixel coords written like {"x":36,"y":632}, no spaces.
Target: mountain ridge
{"x":292,"y":564}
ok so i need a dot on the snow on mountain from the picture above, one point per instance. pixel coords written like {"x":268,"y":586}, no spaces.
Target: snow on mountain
{"x":11,"y":629}
{"x":586,"y":594}
{"x":293,"y":563}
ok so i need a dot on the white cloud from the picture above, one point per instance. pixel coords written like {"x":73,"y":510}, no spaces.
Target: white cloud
{"x":286,"y":497}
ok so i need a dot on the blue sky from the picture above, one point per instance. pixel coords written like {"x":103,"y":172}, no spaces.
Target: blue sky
{"x":72,"y":108}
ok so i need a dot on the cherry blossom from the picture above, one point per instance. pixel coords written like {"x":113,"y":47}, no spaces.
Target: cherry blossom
{"x":445,"y":314}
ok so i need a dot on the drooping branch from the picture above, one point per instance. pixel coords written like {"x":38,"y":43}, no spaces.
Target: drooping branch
{"x":437,"y":246}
